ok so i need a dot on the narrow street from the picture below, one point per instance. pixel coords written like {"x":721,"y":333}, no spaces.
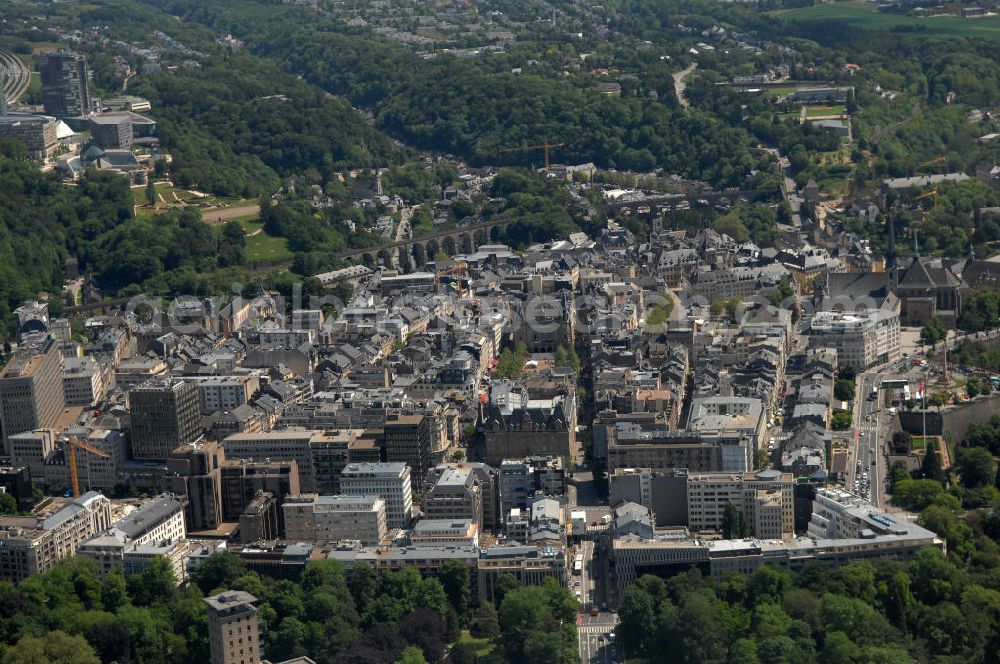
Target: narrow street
{"x":679,"y":84}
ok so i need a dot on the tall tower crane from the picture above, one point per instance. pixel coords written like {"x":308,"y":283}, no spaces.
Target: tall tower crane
{"x":544,"y":145}
{"x":940,"y":159}
{"x":933,"y":193}
{"x":458,"y":269}
{"x":72,"y":443}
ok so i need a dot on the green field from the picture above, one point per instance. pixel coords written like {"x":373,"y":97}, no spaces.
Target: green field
{"x":250,"y":222}
{"x":263,"y":248}
{"x":482,"y":646}
{"x":173,"y":198}
{"x":919,"y":442}
{"x":780,"y":91}
{"x":822,"y":111}
{"x":862,"y":15}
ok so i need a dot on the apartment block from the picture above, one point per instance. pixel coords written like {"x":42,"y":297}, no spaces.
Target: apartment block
{"x":312,"y":518}
{"x":390,"y":481}
{"x":765,"y":498}
{"x":34,"y":544}
{"x":83,"y":381}
{"x":220,"y":393}
{"x":158,"y":519}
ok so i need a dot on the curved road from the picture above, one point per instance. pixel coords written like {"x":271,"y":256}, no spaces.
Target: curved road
{"x":679,"y":84}
{"x":17,"y":76}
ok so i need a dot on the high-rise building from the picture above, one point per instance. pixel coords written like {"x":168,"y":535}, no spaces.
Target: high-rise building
{"x":164,"y":415}
{"x":194,"y":473}
{"x":16,"y":481}
{"x":111,"y":131}
{"x":259,"y":519}
{"x":391,"y":481}
{"x":242,"y":480}
{"x":31,"y":390}
{"x":408,"y":439}
{"x":65,"y":84}
{"x":30,"y":449}
{"x":330,"y":453}
{"x":83,"y":381}
{"x":663,"y":491}
{"x":233,"y":628}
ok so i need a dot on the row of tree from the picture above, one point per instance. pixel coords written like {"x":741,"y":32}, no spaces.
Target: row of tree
{"x":72,"y":615}
{"x":929,"y":609}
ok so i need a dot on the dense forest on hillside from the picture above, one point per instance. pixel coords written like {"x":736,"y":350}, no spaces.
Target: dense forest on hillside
{"x":473,"y":109}
{"x":42,"y":223}
{"x":901,"y":132}
{"x":237,"y":124}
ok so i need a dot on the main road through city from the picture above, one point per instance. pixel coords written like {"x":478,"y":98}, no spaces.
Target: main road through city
{"x":867,"y":461}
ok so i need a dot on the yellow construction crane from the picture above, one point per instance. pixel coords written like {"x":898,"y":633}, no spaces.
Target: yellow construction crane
{"x":928,"y":194}
{"x":940,"y":159}
{"x":544,"y":145}
{"x":458,"y":268}
{"x":72,"y":443}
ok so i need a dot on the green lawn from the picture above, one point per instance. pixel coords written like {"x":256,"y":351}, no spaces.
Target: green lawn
{"x":860,"y":14}
{"x":919,"y":442}
{"x":820,"y":111}
{"x":263,"y":248}
{"x":780,"y":91}
{"x":175,"y":197}
{"x":483,"y":646}
{"x":171,"y":195}
{"x":250,"y":222}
